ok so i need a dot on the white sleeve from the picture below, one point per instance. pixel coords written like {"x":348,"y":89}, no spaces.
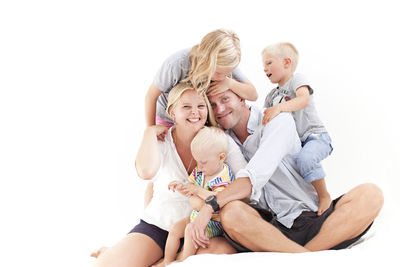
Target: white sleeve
{"x":278,"y":138}
{"x":235,"y":158}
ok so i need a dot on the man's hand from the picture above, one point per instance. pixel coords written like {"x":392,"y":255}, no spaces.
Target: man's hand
{"x":270,"y":113}
{"x":199,"y":225}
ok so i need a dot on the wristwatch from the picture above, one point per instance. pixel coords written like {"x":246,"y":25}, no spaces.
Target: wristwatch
{"x":212,"y":201}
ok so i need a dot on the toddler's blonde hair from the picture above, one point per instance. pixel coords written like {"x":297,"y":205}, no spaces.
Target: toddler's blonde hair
{"x":282,"y":51}
{"x":218,"y":48}
{"x":176,"y":93}
{"x":210,"y":140}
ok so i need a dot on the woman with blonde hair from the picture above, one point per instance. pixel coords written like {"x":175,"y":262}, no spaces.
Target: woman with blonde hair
{"x":163,"y":162}
{"x":210,"y":66}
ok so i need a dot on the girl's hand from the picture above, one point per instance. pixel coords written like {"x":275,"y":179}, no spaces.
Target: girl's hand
{"x":217,"y":87}
{"x":270,"y":113}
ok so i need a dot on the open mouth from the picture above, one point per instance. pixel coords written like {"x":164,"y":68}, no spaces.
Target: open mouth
{"x":269,"y":75}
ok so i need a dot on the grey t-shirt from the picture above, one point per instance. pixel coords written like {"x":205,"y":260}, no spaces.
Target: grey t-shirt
{"x":307,"y":120}
{"x":174,"y":69}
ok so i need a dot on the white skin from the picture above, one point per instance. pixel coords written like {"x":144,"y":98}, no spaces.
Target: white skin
{"x":220,"y":82}
{"x":210,"y":164}
{"x":279,"y":70}
{"x":135,"y":249}
{"x":353,"y":213}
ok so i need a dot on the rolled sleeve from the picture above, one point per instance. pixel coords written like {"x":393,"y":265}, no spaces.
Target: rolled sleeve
{"x":277,"y":140}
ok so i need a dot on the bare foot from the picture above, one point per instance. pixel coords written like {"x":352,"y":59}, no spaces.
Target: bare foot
{"x":97,"y":253}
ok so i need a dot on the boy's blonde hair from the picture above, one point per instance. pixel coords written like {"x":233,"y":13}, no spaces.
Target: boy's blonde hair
{"x":176,"y":93}
{"x":210,"y":140}
{"x":218,"y":48}
{"x":282,"y":51}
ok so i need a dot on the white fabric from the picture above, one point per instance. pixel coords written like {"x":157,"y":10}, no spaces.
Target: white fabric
{"x":167,"y":207}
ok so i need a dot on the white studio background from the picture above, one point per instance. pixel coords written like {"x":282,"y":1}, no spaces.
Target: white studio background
{"x":73,"y":75}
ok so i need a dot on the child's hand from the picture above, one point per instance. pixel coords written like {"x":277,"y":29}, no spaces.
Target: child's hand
{"x":174,"y":185}
{"x":189,"y":189}
{"x":270,"y":113}
{"x":324,"y":203}
{"x":217,"y":87}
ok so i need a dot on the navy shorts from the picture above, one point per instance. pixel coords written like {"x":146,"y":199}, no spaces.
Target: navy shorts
{"x":154,"y":232}
{"x":304,"y":228}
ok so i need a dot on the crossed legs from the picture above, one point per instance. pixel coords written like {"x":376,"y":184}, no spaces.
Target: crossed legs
{"x":354,"y":212}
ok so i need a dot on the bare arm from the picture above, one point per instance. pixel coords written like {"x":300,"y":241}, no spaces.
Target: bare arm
{"x":244,"y":89}
{"x":148,"y":149}
{"x":150,"y":104}
{"x":295,"y":104}
{"x":148,"y":194}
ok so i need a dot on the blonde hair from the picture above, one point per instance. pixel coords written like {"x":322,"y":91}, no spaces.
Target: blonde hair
{"x":218,"y":48}
{"x":176,"y":93}
{"x":210,"y":140}
{"x":282,"y":51}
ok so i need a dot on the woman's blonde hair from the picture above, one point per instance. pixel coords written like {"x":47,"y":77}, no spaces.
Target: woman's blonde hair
{"x":210,"y":140}
{"x":176,"y":93}
{"x":282,"y":51}
{"x":218,"y":48}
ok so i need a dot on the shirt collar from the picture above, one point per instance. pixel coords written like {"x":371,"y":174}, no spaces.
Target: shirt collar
{"x":254,"y":119}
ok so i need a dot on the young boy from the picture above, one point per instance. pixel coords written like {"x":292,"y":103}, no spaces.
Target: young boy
{"x":294,"y":94}
{"x":209,"y":148}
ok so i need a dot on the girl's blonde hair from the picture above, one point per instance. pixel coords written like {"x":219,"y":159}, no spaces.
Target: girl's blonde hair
{"x":282,"y":51}
{"x":210,"y":140}
{"x":176,"y":93}
{"x":218,"y":48}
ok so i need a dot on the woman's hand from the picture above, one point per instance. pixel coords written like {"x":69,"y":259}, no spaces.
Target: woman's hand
{"x":217,"y":87}
{"x":159,"y":130}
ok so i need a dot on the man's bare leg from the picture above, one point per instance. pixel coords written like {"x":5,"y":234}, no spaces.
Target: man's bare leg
{"x":245,"y":226}
{"x":353,"y":213}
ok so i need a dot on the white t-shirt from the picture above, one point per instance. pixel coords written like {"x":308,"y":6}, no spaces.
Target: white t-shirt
{"x":167,"y":207}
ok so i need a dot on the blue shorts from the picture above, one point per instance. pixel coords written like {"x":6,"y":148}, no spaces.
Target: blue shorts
{"x":154,"y":232}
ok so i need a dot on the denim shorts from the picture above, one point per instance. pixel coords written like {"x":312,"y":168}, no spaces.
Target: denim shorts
{"x":314,"y":149}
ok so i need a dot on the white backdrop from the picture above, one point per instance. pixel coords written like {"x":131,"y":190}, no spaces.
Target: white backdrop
{"x":73,"y":75}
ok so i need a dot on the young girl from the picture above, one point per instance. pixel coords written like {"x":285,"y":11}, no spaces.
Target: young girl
{"x":210,"y":66}
{"x":209,"y":148}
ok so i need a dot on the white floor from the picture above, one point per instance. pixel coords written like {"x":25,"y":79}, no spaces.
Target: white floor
{"x":73,"y":79}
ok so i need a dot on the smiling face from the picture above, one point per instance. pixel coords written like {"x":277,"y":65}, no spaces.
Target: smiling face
{"x":277,"y":69}
{"x":227,"y":107}
{"x":221,"y":72}
{"x":190,"y":111}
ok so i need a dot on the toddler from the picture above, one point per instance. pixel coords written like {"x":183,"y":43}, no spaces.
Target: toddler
{"x":294,"y":94}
